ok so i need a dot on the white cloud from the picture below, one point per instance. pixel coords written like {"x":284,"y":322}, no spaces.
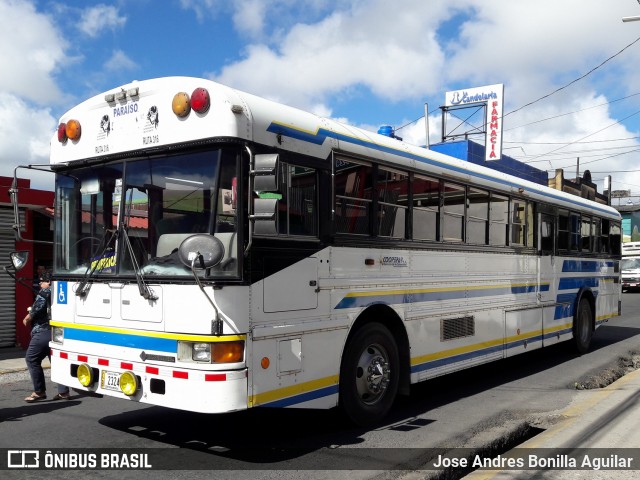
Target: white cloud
{"x":101,"y":17}
{"x":393,"y":52}
{"x":24,"y":136}
{"x":249,"y":17}
{"x":202,"y":7}
{"x":258,"y":19}
{"x":119,"y":61}
{"x":31,"y":49}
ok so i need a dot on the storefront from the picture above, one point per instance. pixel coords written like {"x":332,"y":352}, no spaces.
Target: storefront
{"x":14,"y":297}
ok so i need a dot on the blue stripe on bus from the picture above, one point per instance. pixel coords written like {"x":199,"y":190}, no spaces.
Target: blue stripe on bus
{"x":303,"y":397}
{"x":554,"y":334}
{"x":321,"y":134}
{"x":122,"y":340}
{"x":586,"y":266}
{"x":441,"y":362}
{"x":574,"y":283}
{"x":487,"y":351}
{"x":396,"y":298}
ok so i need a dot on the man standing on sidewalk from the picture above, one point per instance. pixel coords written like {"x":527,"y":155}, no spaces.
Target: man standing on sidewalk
{"x":38,"y":317}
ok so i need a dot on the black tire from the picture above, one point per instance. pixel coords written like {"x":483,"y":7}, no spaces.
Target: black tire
{"x":369,"y":374}
{"x":583,"y":326}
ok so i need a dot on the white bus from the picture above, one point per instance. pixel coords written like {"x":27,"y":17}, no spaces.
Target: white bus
{"x":216,"y":251}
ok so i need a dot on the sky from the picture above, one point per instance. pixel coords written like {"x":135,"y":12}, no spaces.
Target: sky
{"x":570,"y":69}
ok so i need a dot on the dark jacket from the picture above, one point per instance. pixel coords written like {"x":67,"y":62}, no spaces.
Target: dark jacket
{"x":40,"y":309}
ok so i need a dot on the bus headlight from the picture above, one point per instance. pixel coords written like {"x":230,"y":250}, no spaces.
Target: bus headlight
{"x":211,"y":352}
{"x":57,"y":335}
{"x":128,"y":383}
{"x":85,"y":375}
{"x":201,"y":352}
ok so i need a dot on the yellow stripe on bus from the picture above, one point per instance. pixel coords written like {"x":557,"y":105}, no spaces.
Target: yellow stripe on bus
{"x":439,"y":289}
{"x":144,"y":333}
{"x":290,"y":391}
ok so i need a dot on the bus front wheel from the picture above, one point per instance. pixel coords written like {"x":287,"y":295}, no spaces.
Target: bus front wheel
{"x":582,"y":326}
{"x":369,"y":374}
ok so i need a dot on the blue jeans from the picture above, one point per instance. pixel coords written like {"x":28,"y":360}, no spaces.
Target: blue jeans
{"x":36,"y":352}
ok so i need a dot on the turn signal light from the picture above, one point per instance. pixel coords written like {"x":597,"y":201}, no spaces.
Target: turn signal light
{"x":227,"y":352}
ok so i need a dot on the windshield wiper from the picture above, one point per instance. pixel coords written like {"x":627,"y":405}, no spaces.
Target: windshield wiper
{"x":143,"y":288}
{"x":84,"y":286}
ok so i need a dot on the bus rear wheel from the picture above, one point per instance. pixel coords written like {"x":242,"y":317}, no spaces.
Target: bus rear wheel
{"x":582,"y":326}
{"x":369,"y":374}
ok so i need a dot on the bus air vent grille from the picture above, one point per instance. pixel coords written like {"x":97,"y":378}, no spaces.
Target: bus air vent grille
{"x":452,"y":328}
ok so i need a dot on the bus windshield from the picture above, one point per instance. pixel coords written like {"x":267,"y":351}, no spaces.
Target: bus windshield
{"x":129,"y":218}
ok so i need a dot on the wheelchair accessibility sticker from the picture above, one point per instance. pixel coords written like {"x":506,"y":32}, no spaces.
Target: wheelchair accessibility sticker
{"x":61,"y":293}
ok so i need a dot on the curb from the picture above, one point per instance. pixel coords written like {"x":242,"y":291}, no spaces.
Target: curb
{"x":574,"y":419}
{"x":17,"y":365}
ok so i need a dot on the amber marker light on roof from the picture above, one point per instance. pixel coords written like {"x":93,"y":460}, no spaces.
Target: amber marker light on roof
{"x":73,"y":130}
{"x":180,"y":105}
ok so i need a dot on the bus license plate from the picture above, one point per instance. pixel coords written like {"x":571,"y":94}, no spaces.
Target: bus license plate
{"x":110,"y":380}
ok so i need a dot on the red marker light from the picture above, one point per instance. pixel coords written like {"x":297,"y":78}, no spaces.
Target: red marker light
{"x":200,"y":100}
{"x":62,"y":132}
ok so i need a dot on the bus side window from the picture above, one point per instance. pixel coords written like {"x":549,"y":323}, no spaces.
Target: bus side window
{"x":563,"y":230}
{"x":453,"y":212}
{"x":546,"y":236}
{"x":615,"y":238}
{"x":426,"y":207}
{"x":353,"y":184}
{"x":392,"y":187}
{"x":298,"y":201}
{"x":498,"y":220}
{"x":574,"y":232}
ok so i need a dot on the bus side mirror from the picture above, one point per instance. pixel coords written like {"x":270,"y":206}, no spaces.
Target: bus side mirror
{"x":265,"y":182}
{"x":265,"y":173}
{"x":19,"y":259}
{"x":201,"y":251}
{"x":264,"y":216}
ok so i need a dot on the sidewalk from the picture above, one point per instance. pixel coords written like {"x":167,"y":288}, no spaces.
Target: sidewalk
{"x":606,"y":418}
{"x":12,"y":360}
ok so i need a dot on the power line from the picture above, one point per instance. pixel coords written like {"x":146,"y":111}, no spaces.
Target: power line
{"x":573,"y":81}
{"x":587,"y":136}
{"x":550,"y":94}
{"x":563,"y":143}
{"x":571,"y":113}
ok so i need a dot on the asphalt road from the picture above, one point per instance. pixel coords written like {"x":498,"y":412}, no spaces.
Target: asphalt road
{"x":472,"y":409}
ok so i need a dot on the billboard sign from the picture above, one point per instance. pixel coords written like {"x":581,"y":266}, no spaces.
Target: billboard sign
{"x":492,"y":97}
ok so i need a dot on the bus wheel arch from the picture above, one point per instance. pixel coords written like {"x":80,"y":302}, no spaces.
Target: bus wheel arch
{"x":374,"y":365}
{"x":584,"y":320}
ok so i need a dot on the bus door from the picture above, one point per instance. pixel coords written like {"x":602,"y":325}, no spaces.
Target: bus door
{"x":547,"y":274}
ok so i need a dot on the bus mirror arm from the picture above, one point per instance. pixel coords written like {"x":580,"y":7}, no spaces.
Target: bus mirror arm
{"x":13,"y":195}
{"x":250,"y":201}
{"x":216,"y":322}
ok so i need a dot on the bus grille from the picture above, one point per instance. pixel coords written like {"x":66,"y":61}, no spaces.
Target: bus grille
{"x":452,"y":328}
